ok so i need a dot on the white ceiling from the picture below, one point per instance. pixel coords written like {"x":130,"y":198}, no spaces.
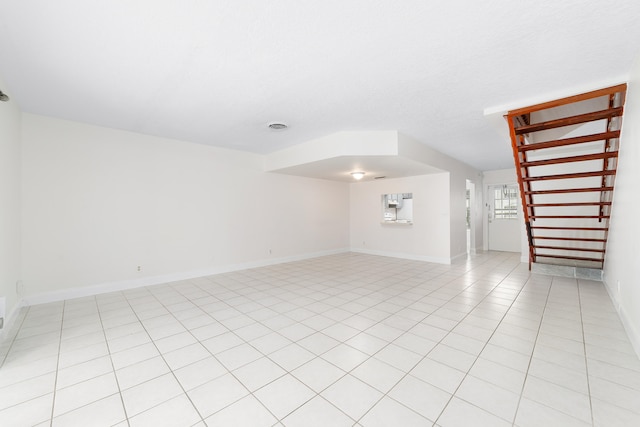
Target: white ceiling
{"x":217,"y":72}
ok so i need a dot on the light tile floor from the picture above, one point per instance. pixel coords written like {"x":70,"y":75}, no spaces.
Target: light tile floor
{"x":344,"y":340}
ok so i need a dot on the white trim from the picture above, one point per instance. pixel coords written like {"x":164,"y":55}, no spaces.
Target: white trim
{"x":458,"y":257}
{"x":122,"y":285}
{"x":403,"y":256}
{"x":10,"y":319}
{"x":632,"y":332}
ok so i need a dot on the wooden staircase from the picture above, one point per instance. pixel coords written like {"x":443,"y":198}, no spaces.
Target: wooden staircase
{"x":566,"y":153}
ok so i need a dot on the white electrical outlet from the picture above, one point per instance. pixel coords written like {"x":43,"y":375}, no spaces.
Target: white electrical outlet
{"x":139,"y":268}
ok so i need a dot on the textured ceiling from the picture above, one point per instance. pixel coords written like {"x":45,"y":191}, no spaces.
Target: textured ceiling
{"x":216,"y":72}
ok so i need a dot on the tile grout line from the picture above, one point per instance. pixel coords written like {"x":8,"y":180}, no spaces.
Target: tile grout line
{"x":586,"y":359}
{"x":386,"y":394}
{"x":515,"y":415}
{"x":486,"y":342}
{"x":327,"y":297}
{"x":438,"y":342}
{"x":251,"y":393}
{"x":288,"y":372}
{"x":163,"y":359}
{"x":124,"y":408}
{"x":556,"y":384}
{"x":228,"y":331}
{"x":316,"y":356}
{"x":55,"y":382}
{"x":237,"y":293}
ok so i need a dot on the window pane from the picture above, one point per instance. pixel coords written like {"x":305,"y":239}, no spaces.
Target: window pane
{"x":505,"y":202}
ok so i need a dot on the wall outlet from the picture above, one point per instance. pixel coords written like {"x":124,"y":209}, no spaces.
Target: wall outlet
{"x":269,"y":250}
{"x":139,"y":268}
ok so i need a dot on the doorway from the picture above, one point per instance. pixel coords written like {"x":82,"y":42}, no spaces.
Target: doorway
{"x":470,"y":215}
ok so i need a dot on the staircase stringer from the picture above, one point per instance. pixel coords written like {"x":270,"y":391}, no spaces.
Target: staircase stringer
{"x":522,"y":126}
{"x":522,"y":172}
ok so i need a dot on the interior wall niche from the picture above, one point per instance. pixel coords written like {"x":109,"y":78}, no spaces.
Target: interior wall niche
{"x":397,"y":208}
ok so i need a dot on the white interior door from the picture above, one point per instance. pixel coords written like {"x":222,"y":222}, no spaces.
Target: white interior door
{"x":504,"y":229}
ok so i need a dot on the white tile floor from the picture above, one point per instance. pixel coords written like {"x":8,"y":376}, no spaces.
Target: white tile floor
{"x":347,"y":340}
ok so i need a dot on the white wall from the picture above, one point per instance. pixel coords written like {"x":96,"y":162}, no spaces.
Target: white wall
{"x":459,"y":173}
{"x":427,"y":239}
{"x":458,"y":217}
{"x":98,"y":203}
{"x":9,"y":206}
{"x":622,"y":262}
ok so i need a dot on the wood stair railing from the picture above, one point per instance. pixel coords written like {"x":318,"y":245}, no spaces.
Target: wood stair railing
{"x":565,"y":152}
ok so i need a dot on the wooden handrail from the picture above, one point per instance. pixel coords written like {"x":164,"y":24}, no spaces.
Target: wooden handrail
{"x":570,"y":99}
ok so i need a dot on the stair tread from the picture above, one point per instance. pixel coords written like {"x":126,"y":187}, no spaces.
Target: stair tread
{"x":571,"y":120}
{"x":562,"y":248}
{"x":570,"y":175}
{"x":570,"y":257}
{"x":570,"y":190}
{"x":570,"y":141}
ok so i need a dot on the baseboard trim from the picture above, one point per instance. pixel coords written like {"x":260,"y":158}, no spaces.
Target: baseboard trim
{"x":632,"y":332}
{"x":458,"y":257}
{"x":403,"y":256}
{"x":102,"y":288}
{"x":10,"y":320}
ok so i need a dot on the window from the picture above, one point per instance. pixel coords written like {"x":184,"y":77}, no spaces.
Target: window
{"x":397,"y":208}
{"x":505,"y":202}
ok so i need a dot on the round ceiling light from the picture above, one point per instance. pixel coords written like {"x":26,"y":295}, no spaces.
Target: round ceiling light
{"x":277,"y":126}
{"x":357,"y":175}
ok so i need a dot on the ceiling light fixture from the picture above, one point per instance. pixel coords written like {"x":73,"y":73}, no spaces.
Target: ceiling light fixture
{"x":357,"y":175}
{"x":3,"y":96}
{"x":277,"y":126}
